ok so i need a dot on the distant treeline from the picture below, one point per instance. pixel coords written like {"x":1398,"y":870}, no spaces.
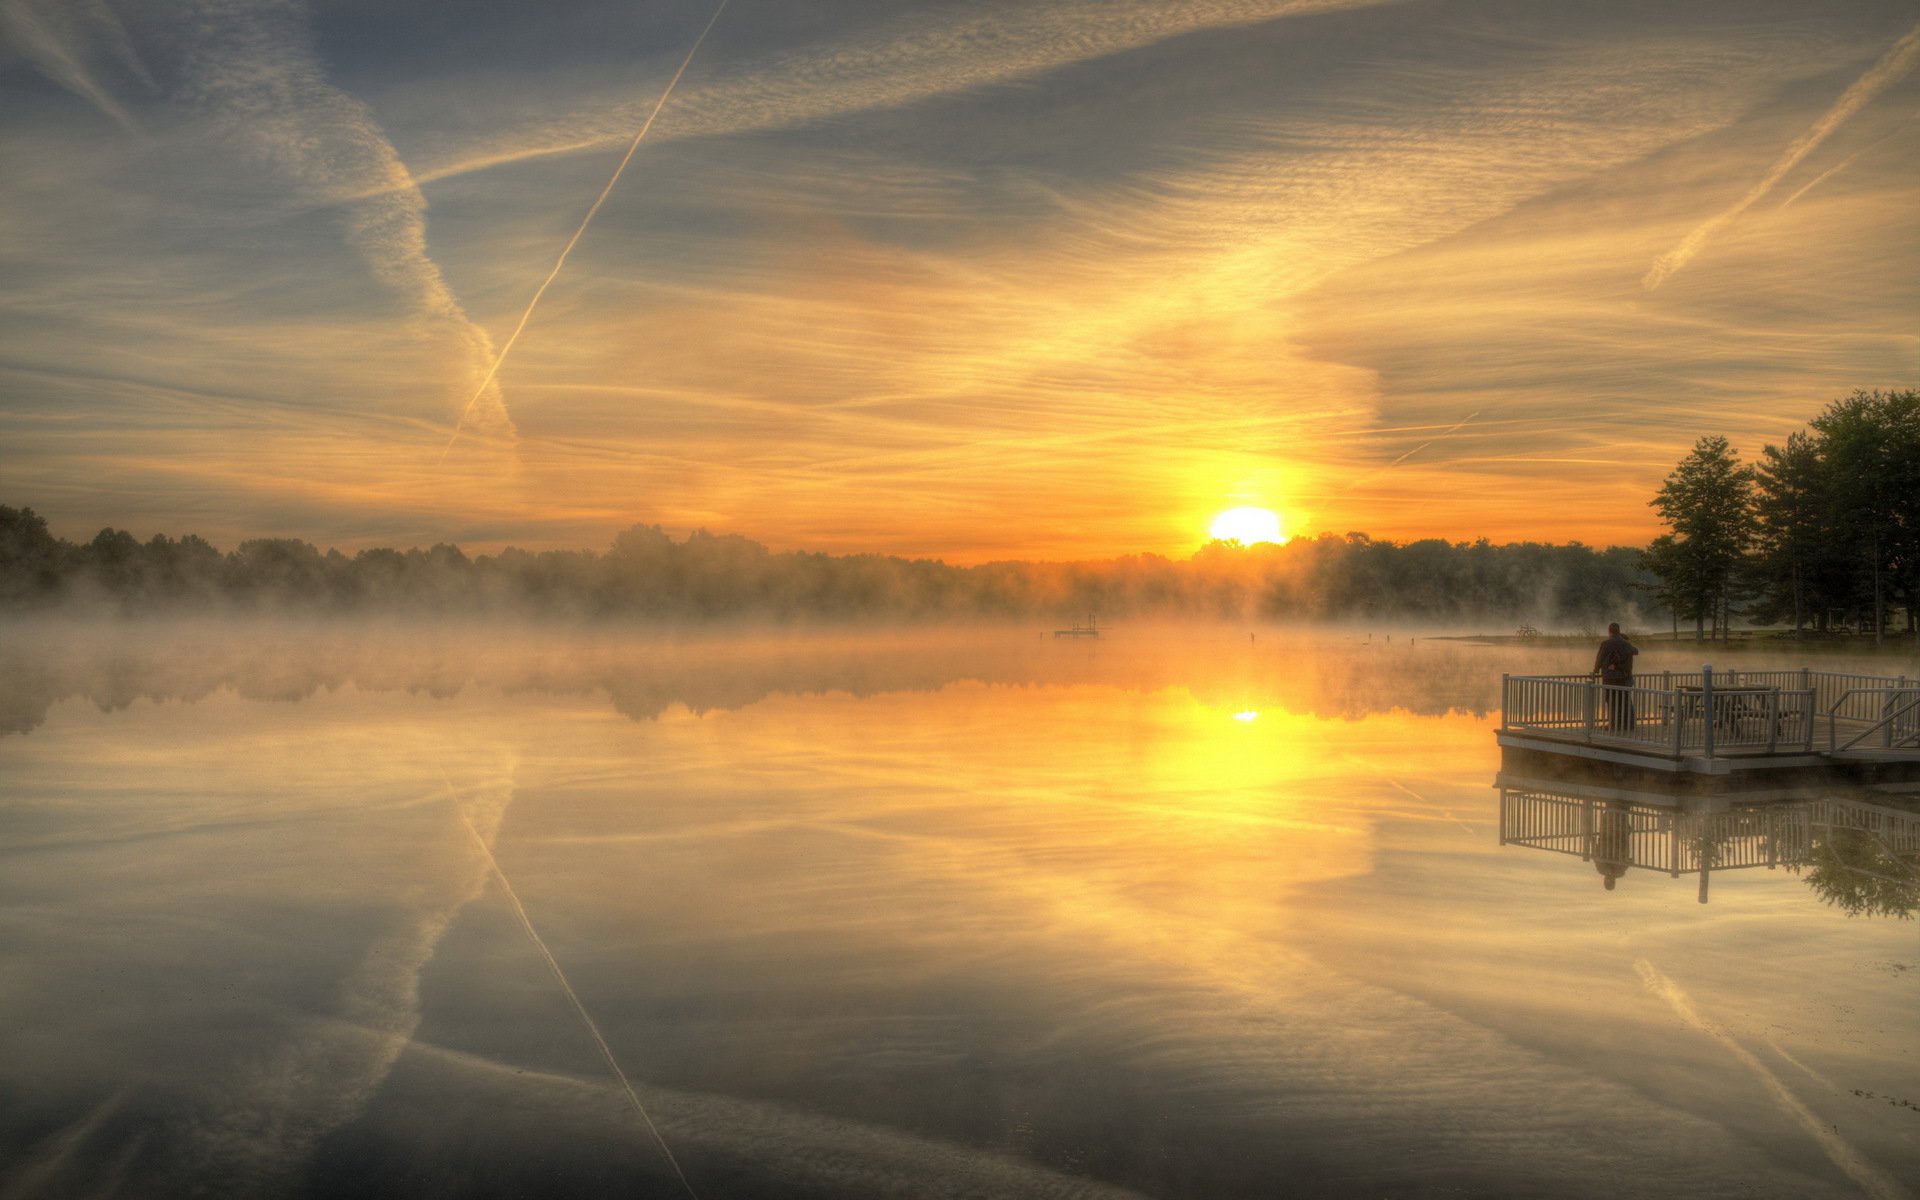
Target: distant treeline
{"x":648,"y":574}
{"x":1823,"y":531}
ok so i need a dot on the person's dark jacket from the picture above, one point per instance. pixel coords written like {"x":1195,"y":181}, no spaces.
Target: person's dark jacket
{"x":1614,"y":660}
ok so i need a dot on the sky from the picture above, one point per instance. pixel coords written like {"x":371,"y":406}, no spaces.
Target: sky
{"x":963,"y":280}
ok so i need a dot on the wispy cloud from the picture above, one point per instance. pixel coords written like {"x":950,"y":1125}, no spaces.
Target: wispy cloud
{"x":899,"y":61}
{"x":493,"y":368}
{"x":253,"y":66}
{"x":68,"y":41}
{"x":899,"y":278}
{"x":1896,"y":62}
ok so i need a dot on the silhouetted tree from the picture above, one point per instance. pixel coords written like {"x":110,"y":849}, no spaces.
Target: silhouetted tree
{"x":279,"y":572}
{"x":1707,"y":502}
{"x":648,"y":574}
{"x":1871,"y":444}
{"x":33,"y":563}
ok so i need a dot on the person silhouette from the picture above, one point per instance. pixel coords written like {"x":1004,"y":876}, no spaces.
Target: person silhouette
{"x":1613,"y":663}
{"x":1613,"y":844}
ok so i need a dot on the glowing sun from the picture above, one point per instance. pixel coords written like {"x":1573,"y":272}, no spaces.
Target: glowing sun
{"x":1247,"y":526}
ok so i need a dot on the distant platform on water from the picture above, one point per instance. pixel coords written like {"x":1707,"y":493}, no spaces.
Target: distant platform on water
{"x":1090,"y":630}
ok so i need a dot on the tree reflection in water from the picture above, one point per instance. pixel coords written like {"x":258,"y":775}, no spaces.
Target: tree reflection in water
{"x":1862,"y":875}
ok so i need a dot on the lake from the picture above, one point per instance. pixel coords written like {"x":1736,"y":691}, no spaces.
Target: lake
{"x":326,"y":912}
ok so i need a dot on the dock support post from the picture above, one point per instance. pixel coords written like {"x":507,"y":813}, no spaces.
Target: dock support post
{"x":1706,"y":706}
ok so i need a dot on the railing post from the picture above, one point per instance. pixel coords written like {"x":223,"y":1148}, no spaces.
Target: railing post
{"x":1706,"y":707}
{"x":1588,"y":707}
{"x":1506,"y":699}
{"x":1773,"y":719}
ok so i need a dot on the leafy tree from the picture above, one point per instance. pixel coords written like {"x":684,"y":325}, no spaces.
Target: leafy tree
{"x":1708,"y":504}
{"x":279,"y":571}
{"x":32,"y":560}
{"x":1796,"y":553}
{"x":1871,"y":443}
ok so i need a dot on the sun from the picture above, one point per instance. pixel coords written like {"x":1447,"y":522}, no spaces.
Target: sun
{"x":1247,"y":526}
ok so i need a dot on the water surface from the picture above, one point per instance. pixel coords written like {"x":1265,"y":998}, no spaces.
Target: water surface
{"x":1177,"y":913}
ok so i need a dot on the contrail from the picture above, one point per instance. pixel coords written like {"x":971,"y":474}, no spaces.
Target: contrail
{"x":1848,"y":161}
{"x":1442,"y":436}
{"x":1445,"y":812}
{"x":1872,"y":1180}
{"x":1892,"y":65}
{"x":553,"y":964}
{"x":578,"y":233}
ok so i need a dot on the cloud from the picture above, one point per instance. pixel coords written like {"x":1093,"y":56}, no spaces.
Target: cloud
{"x":1896,"y":62}
{"x":962,"y":264}
{"x":889,"y":64}
{"x":253,"y":66}
{"x":68,"y":41}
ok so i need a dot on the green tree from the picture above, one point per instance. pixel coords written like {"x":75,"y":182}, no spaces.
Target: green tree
{"x":1797,"y":561}
{"x":1707,"y":502}
{"x":1871,"y":443}
{"x":1669,"y":585}
{"x":32,"y":560}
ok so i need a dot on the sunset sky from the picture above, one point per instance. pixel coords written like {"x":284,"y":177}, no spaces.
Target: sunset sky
{"x":968,"y":280}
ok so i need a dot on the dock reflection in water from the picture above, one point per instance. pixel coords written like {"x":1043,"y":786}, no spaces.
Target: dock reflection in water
{"x":1859,"y":850}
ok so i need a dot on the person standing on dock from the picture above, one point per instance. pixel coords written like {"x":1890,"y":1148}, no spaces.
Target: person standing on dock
{"x":1613,"y":663}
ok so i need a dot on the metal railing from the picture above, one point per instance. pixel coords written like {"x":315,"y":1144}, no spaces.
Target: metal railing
{"x":1659,"y":839}
{"x":1828,"y":687}
{"x":1703,"y":712}
{"x":1897,"y":724}
{"x":1678,"y":842}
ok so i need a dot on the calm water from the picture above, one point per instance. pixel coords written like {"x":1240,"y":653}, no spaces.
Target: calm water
{"x":983,"y":914}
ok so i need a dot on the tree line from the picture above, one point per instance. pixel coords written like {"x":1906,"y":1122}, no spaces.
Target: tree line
{"x":648,"y":574}
{"x":1822,"y":533}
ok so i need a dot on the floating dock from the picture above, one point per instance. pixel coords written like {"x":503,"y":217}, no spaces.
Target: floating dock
{"x":1798,"y":726}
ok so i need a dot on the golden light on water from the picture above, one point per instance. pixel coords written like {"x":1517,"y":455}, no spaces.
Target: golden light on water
{"x":1248,"y":526}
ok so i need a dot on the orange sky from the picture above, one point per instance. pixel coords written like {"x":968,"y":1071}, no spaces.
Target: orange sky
{"x":968,"y":281}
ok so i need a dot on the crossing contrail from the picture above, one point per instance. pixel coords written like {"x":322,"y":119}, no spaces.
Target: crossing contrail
{"x":553,"y":964}
{"x":1442,"y":436}
{"x":578,"y":233}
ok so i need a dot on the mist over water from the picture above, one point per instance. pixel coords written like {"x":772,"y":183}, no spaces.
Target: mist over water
{"x":1177,"y":912}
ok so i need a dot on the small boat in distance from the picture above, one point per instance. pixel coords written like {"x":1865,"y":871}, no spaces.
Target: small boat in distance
{"x":1090,"y":630}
